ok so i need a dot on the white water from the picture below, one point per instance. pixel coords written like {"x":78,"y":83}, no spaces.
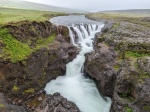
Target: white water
{"x":74,"y":86}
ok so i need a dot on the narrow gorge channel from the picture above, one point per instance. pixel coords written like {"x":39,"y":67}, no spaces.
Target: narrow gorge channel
{"x":74,"y":85}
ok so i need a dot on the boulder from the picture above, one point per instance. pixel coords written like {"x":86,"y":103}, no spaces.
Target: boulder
{"x":56,"y":103}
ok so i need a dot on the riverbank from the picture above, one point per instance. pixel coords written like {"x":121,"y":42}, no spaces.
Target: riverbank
{"x":32,"y":52}
{"x":129,"y":37}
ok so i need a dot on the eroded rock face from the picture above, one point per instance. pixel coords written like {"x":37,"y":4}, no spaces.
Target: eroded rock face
{"x":27,"y":31}
{"x":123,"y":50}
{"x":24,"y":78}
{"x":130,"y":93}
{"x":6,"y":107}
{"x":56,"y":103}
{"x":99,"y":67}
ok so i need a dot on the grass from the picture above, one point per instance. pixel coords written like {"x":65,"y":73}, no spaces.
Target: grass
{"x":128,"y":109}
{"x":132,"y":18}
{"x":14,"y":15}
{"x":44,"y":42}
{"x":134,"y":54}
{"x":17,"y":51}
{"x":13,"y":49}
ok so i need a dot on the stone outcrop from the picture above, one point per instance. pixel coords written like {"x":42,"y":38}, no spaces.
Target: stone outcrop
{"x":56,"y":103}
{"x":99,"y":67}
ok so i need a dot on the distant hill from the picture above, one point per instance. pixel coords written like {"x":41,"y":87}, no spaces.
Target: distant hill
{"x":34,"y":6}
{"x":144,"y":12}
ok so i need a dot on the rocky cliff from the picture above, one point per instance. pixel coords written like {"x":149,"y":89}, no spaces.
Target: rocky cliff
{"x":120,"y":63}
{"x":32,"y":54}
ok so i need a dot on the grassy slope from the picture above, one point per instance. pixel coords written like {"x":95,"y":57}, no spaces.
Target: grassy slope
{"x":14,"y":49}
{"x":20,"y":4}
{"x":130,"y":13}
{"x":136,"y":18}
{"x":15,"y":15}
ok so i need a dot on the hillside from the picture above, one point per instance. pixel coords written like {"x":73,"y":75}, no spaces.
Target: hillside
{"x":8,"y":15}
{"x":34,"y":6}
{"x":130,"y":12}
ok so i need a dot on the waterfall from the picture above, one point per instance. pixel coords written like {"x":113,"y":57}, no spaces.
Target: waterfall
{"x":73,"y":85}
{"x":84,"y":31}
{"x":71,"y":37}
{"x":79,"y":33}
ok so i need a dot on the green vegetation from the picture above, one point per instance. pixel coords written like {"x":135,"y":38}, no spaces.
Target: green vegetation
{"x":30,"y":90}
{"x":143,"y":75}
{"x":15,"y":88}
{"x":115,"y":25}
{"x":132,"y":18}
{"x":14,"y":15}
{"x":44,"y":42}
{"x":2,"y":106}
{"x":128,"y":109}
{"x":116,"y":67}
{"x":17,"y":51}
{"x":134,"y":54}
{"x":146,"y":108}
{"x":13,"y":49}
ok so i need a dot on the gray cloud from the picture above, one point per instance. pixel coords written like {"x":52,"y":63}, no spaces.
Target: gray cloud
{"x":98,"y":5}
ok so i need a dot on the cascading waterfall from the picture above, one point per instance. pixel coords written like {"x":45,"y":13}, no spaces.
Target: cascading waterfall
{"x":74,"y":86}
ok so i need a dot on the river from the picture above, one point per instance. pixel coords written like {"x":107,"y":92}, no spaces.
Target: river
{"x":73,"y":85}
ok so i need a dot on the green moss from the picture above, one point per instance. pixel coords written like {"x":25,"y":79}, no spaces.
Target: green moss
{"x":134,"y":54}
{"x":143,"y":75}
{"x":135,"y":65}
{"x":2,"y":106}
{"x":14,"y":49}
{"x":116,"y":67}
{"x":24,"y":62}
{"x":30,"y":90}
{"x":146,"y":108}
{"x":128,"y":109}
{"x":44,"y":42}
{"x":115,"y":25}
{"x":15,"y":88}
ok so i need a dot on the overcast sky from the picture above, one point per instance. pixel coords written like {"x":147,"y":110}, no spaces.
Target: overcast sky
{"x":98,"y":5}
